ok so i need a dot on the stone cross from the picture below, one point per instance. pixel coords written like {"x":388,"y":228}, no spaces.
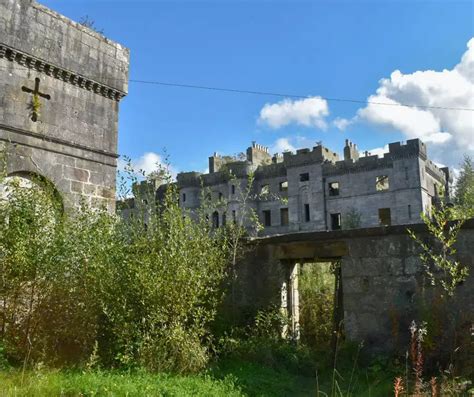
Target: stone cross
{"x":36,"y":93}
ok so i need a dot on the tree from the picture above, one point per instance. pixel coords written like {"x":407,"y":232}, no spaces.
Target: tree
{"x":438,"y":253}
{"x":464,"y":188}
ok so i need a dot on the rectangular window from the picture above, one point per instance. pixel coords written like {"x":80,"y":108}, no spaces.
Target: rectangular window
{"x":234,"y":216}
{"x":284,"y":220}
{"x":334,"y":188}
{"x":184,"y":197}
{"x":381,"y":183}
{"x":284,"y":186}
{"x":267,"y":218}
{"x":304,"y":177}
{"x":409,"y":211}
{"x":385,"y":218}
{"x":306,"y":213}
{"x":232,"y":189}
{"x":336,"y":221}
{"x":220,"y":196}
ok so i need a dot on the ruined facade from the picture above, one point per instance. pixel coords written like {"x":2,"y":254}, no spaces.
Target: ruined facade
{"x":60,"y":87}
{"x":315,"y":190}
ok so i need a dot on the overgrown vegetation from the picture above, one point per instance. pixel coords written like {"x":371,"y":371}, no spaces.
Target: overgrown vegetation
{"x":117,"y":304}
{"x":90,"y":286}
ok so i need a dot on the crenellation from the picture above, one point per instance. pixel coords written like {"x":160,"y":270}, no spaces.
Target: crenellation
{"x":313,"y":190}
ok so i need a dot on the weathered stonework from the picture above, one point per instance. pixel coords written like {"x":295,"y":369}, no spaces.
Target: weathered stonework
{"x":76,"y":77}
{"x":383,"y":284}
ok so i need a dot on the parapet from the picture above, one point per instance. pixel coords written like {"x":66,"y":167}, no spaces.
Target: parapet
{"x":319,"y":154}
{"x":258,"y":154}
{"x":412,"y":147}
{"x":188,"y":179}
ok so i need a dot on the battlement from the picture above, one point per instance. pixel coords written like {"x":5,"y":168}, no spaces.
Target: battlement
{"x":412,"y":147}
{"x":189,"y":179}
{"x":306,"y":156}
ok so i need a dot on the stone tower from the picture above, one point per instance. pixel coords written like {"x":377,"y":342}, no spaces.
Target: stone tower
{"x":60,"y":88}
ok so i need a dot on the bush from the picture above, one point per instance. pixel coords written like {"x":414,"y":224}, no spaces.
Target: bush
{"x":141,"y":294}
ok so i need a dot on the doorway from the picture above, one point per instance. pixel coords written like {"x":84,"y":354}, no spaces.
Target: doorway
{"x":320,"y":303}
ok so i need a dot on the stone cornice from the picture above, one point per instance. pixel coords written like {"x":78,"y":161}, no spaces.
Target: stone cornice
{"x":32,"y":62}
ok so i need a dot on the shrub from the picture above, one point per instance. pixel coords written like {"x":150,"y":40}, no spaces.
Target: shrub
{"x":133,"y":294}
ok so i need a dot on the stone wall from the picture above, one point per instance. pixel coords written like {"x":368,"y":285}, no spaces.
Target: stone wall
{"x":384,"y":286}
{"x":80,"y":77}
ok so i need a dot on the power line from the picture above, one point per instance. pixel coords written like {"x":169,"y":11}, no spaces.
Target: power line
{"x":265,"y":93}
{"x":268,"y":93}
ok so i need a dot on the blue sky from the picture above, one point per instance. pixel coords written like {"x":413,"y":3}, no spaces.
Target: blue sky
{"x":335,"y":49}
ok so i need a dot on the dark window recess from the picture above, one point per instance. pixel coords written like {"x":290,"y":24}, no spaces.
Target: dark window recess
{"x":385,"y":218}
{"x":184,"y":197}
{"x":284,"y":186}
{"x":145,"y":202}
{"x":232,"y":189}
{"x":284,"y":219}
{"x":304,"y":177}
{"x":267,"y":218}
{"x":234,"y":216}
{"x":336,"y":221}
{"x":215,"y":219}
{"x":220,"y":196}
{"x":334,"y":188}
{"x":224,"y":219}
{"x":306,"y":213}
{"x":409,"y":211}
{"x":381,"y":183}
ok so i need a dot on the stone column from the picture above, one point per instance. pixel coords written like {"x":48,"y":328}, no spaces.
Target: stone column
{"x":290,"y":308}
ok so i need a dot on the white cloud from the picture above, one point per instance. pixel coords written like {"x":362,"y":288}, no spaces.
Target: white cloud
{"x":147,"y":163}
{"x":282,"y":145}
{"x":341,"y":123}
{"x":452,"y":88}
{"x":309,"y":112}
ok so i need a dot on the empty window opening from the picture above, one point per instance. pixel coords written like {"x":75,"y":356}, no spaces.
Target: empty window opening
{"x":336,"y":221}
{"x":306,"y":213}
{"x":409,"y":211}
{"x":304,"y":177}
{"x":284,"y":186}
{"x":381,"y":183}
{"x":334,"y":188}
{"x":267,"y":218}
{"x":224,"y":219}
{"x":284,"y":219}
{"x":232,"y":189}
{"x":234,"y":216}
{"x":220,"y":196}
{"x":184,"y":197}
{"x":385,"y":218}
{"x":215,"y":219}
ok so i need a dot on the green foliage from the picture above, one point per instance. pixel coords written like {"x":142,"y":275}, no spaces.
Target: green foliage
{"x":464,"y":188}
{"x":316,"y":286}
{"x":438,"y":252}
{"x":134,"y":294}
{"x":352,"y":219}
{"x":113,"y":384}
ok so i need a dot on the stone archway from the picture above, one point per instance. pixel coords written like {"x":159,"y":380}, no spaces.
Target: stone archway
{"x":36,"y":182}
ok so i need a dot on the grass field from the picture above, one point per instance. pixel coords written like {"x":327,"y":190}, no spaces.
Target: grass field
{"x":229,"y":378}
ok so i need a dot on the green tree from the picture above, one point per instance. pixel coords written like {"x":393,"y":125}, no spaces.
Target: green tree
{"x":464,"y":188}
